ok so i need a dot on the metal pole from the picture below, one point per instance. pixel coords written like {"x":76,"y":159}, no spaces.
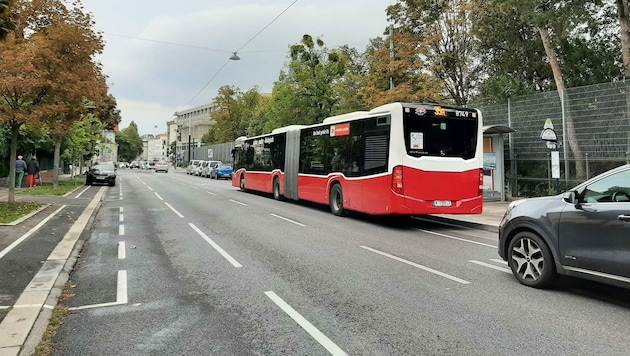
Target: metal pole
{"x":189,"y":145}
{"x":588,"y":173}
{"x":549,"y":170}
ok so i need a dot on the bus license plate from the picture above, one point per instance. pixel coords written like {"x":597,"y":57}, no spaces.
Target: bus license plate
{"x":442,"y":203}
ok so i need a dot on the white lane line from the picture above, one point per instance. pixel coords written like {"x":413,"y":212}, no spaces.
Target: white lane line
{"x":455,"y":238}
{"x":121,"y":218}
{"x":193,"y":187}
{"x":215,"y":246}
{"x":306,"y":325}
{"x":30,"y":232}
{"x":157,"y":195}
{"x":151,"y":189}
{"x":211,"y":193}
{"x":285,"y":219}
{"x":83,"y":191}
{"x":121,"y":291}
{"x":120,"y":209}
{"x":174,"y":210}
{"x":122,"y":253}
{"x":502,"y":269}
{"x":121,"y":230}
{"x":121,"y":294}
{"x":498,"y":260}
{"x":238,"y":202}
{"x":424,"y":268}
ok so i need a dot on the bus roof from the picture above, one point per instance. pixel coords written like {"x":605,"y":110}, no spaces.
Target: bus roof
{"x":343,"y":117}
{"x":286,"y":128}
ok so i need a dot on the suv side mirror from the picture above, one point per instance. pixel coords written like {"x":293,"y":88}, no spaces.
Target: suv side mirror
{"x":570,"y":197}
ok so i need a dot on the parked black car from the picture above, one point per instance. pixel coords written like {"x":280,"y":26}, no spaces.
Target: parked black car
{"x":584,"y":233}
{"x":104,"y":173}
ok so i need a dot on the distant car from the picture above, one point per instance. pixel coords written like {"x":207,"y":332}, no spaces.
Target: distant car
{"x":102,"y":173}
{"x":206,"y":168}
{"x":584,"y":233}
{"x":221,"y":170}
{"x":196,"y":171}
{"x":192,"y":166}
{"x":161,"y":167}
{"x":134,"y":165}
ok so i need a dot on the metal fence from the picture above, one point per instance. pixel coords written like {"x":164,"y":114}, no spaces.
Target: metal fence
{"x":599,"y":116}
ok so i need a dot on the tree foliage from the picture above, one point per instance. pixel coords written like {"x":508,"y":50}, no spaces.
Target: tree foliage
{"x":47,"y":70}
{"x":305,"y":90}
{"x":442,"y":33}
{"x":129,"y":143}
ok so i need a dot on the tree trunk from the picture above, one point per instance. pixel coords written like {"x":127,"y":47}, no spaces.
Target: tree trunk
{"x":570,"y":128}
{"x":623,"y":13}
{"x":56,"y":159}
{"x":15,"y":129}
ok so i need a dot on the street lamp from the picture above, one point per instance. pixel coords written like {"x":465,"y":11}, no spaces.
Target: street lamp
{"x":235,"y":57}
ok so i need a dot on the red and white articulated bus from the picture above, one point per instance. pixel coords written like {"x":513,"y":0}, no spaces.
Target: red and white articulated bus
{"x":399,"y":158}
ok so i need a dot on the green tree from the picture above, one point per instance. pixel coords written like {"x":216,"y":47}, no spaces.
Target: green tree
{"x":305,"y":90}
{"x":129,"y":143}
{"x":81,"y":143}
{"x":235,"y":114}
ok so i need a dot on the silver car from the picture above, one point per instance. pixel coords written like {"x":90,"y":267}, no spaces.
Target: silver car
{"x":583,"y":233}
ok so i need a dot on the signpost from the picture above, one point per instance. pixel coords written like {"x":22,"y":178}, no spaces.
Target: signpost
{"x":548,"y":135}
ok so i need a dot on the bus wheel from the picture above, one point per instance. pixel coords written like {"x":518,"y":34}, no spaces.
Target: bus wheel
{"x":242,"y":182}
{"x":336,"y":200}
{"x":276,"y":189}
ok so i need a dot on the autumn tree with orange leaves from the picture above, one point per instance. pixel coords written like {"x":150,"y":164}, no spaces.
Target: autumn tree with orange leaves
{"x":48,"y":71}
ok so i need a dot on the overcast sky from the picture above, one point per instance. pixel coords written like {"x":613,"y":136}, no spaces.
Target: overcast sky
{"x":161,"y":57}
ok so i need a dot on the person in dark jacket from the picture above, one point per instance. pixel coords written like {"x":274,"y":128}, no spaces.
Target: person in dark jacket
{"x":32,"y":168}
{"x":20,"y":169}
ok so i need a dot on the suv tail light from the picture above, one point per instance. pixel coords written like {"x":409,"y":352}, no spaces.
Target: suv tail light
{"x":397,"y":180}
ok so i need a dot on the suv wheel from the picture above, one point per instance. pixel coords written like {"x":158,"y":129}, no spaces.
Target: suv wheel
{"x":531,"y":261}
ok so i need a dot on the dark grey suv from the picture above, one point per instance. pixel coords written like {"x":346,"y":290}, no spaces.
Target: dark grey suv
{"x":584,"y":233}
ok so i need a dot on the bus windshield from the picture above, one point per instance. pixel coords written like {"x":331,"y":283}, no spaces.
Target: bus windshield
{"x":452,"y":134}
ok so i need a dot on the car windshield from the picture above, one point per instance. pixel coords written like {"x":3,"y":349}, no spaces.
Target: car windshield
{"x":104,"y":167}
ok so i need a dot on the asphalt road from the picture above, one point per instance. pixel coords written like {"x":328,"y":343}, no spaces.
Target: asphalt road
{"x":176,"y":264}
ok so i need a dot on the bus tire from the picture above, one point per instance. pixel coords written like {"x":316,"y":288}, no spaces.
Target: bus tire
{"x":336,"y":200}
{"x":276,"y":189}
{"x":242,"y":184}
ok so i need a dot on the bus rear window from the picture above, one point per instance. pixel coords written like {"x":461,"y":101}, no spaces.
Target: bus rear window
{"x":441,"y":136}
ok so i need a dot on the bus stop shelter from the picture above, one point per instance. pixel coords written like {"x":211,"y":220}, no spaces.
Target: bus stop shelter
{"x":494,"y":162}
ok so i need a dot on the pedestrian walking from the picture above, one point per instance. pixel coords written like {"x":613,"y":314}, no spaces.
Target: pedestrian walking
{"x":20,"y":169}
{"x":33,"y":171}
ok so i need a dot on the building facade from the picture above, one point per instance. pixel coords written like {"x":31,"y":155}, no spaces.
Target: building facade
{"x":155,"y":148}
{"x":191,"y":125}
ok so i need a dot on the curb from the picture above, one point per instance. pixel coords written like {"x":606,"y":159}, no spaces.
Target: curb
{"x":34,"y":306}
